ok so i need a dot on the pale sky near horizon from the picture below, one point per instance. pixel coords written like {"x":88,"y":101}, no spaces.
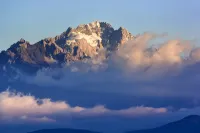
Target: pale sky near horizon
{"x":34,"y":20}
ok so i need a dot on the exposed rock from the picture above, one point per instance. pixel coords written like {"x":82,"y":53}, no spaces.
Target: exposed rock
{"x":82,"y":42}
{"x":120,"y":37}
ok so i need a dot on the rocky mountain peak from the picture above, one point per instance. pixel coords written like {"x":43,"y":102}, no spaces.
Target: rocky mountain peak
{"x":125,"y":33}
{"x":82,"y":42}
{"x":120,"y":37}
{"x":22,"y":40}
{"x":19,"y":44}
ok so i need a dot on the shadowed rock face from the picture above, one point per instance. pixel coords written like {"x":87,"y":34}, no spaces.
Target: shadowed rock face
{"x":120,"y":37}
{"x":75,"y":44}
{"x":62,"y":131}
{"x":189,"y":124}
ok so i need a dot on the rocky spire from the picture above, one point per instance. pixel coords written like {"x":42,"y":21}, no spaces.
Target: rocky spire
{"x":74,"y":44}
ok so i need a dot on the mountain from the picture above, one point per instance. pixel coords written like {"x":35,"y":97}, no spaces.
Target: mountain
{"x":64,"y":130}
{"x":75,"y":44}
{"x":189,"y":124}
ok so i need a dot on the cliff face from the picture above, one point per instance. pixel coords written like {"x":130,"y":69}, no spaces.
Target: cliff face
{"x":75,"y":44}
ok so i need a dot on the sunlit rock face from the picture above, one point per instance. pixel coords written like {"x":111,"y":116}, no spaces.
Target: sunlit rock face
{"x":75,"y":44}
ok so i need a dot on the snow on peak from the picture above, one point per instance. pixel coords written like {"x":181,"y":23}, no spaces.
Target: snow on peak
{"x":92,"y":40}
{"x":95,"y":24}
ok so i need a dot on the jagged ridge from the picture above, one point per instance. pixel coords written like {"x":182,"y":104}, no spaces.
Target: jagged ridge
{"x":75,"y":44}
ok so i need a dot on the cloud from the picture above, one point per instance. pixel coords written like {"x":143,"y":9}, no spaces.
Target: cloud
{"x":36,"y":119}
{"x":166,"y":69}
{"x":139,"y":57}
{"x":17,"y":106}
{"x":135,"y":57}
{"x":159,"y":76}
{"x":195,"y":55}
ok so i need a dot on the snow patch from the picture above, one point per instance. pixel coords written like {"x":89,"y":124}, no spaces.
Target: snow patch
{"x":95,"y":24}
{"x":93,"y":39}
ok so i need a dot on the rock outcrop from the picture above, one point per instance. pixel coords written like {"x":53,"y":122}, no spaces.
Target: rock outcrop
{"x":75,"y":44}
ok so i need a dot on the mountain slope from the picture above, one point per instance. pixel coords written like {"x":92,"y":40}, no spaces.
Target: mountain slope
{"x":75,"y":44}
{"x":189,"y":124}
{"x":64,"y":130}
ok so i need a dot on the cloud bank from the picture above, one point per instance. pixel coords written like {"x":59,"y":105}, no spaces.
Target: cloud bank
{"x":139,"y":56}
{"x":138,"y":67}
{"x":164,"y":76}
{"x":17,"y":106}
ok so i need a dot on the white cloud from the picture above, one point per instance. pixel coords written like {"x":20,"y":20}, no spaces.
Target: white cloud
{"x":17,"y":104}
{"x":138,"y":56}
{"x":28,"y":108}
{"x":36,"y":119}
{"x":148,"y":71}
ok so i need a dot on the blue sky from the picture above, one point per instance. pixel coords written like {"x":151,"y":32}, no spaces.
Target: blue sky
{"x":36,"y":19}
{"x":159,"y":85}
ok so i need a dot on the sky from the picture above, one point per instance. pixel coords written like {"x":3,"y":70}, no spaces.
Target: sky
{"x":34,"y":20}
{"x":134,"y":88}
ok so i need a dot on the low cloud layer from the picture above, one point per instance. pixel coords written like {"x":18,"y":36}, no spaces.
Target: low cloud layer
{"x":143,"y":68}
{"x":21,"y":108}
{"x":17,"y":106}
{"x":161,"y":75}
